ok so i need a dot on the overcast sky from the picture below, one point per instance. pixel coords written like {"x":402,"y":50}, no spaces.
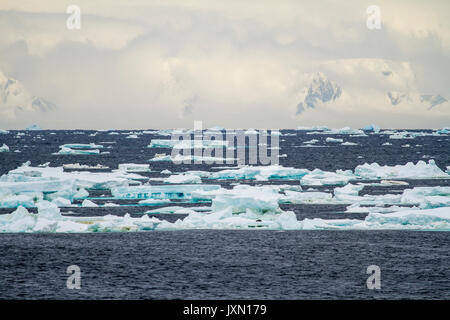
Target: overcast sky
{"x":240,"y":64}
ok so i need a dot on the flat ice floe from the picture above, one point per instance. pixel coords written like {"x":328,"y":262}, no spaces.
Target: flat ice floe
{"x":421,"y":170}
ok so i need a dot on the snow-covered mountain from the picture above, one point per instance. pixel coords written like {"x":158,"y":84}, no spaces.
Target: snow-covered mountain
{"x":320,"y":89}
{"x":15,"y":97}
{"x":429,"y":100}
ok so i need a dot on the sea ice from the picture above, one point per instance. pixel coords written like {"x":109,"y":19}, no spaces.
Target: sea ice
{"x":183,"y":178}
{"x":329,"y":139}
{"x":133,"y":167}
{"x":421,"y":170}
{"x":4,"y":148}
{"x":372,"y":127}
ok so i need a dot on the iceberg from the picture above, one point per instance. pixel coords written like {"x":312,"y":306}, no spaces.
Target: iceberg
{"x":4,"y":148}
{"x":345,"y":130}
{"x":133,"y":167}
{"x":77,"y":166}
{"x":183,"y":178}
{"x":421,"y":170}
{"x":49,"y":219}
{"x":4,"y":131}
{"x":33,"y":127}
{"x":88,"y":204}
{"x":372,"y":128}
{"x":318,"y":177}
{"x":81,"y":146}
{"x":261,"y":173}
{"x":160,"y":192}
{"x":427,"y":197}
{"x":329,"y":139}
{"x":69,"y":151}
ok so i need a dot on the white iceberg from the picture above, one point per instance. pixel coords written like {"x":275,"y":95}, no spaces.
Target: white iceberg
{"x":372,"y":127}
{"x":329,"y":139}
{"x":421,"y":170}
{"x":133,"y":167}
{"x":4,"y":148}
{"x":33,"y":127}
{"x":183,"y":178}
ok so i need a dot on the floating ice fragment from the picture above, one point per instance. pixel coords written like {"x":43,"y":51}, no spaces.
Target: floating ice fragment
{"x":133,"y":167}
{"x":183,"y":178}
{"x":421,"y":170}
{"x":88,"y":204}
{"x":329,"y":139}
{"x":4,"y":148}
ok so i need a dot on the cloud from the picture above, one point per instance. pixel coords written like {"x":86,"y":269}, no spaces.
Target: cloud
{"x":141,"y":64}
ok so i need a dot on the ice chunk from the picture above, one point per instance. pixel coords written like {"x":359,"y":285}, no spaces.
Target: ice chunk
{"x":323,"y":178}
{"x":81,"y":146}
{"x":152,"y":202}
{"x":307,"y":197}
{"x":26,"y":200}
{"x":329,"y":139}
{"x":347,"y":143}
{"x":427,"y":197}
{"x":88,"y":204}
{"x":183,"y":178}
{"x":430,"y":219}
{"x":260,"y":173}
{"x":421,"y":170}
{"x":4,"y":148}
{"x":133,"y":167}
{"x":372,"y":127}
{"x":243,"y":198}
{"x":162,"y":143}
{"x":166,"y":171}
{"x":61,"y":202}
{"x":160,"y":192}
{"x":69,"y":151}
{"x":33,"y":127}
{"x":345,"y":130}
{"x":350,"y":192}
{"x":4,"y":131}
{"x":76,"y":166}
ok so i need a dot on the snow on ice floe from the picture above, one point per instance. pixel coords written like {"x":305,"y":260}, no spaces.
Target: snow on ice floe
{"x":421,"y":170}
{"x":4,"y":148}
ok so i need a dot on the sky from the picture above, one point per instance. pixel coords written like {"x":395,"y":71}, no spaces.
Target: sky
{"x":136,"y":64}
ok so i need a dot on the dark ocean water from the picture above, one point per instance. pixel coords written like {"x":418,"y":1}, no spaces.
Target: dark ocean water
{"x":223,"y":264}
{"x":206,"y":264}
